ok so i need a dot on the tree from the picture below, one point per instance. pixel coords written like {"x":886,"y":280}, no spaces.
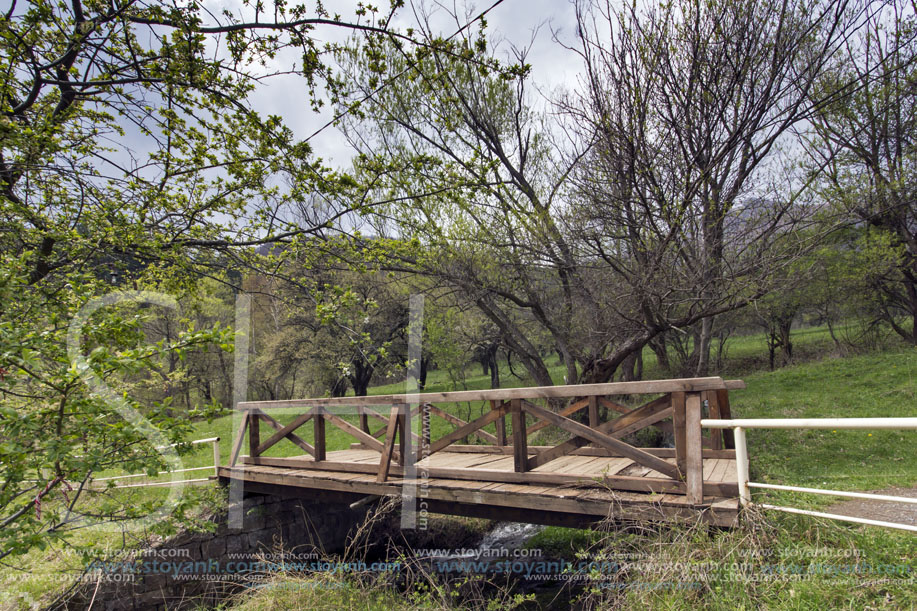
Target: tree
{"x":657,"y":217}
{"x":686,"y":105}
{"x":866,"y":142}
{"x":130,"y":155}
{"x":476,"y":192}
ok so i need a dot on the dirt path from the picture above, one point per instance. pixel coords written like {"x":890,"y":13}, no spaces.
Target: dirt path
{"x":887,"y":511}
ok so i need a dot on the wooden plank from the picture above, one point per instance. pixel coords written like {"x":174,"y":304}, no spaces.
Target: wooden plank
{"x":577,"y":465}
{"x":635,"y":415}
{"x":719,"y":472}
{"x":405,"y":436}
{"x":665,"y":427}
{"x":678,"y":421}
{"x":593,"y":411}
{"x":694,"y":476}
{"x":570,"y":409}
{"x":353,"y":455}
{"x":318,"y":436}
{"x":345,"y":426}
{"x":386,"y":461}
{"x":238,"y":439}
{"x":520,"y":437}
{"x":472,"y":426}
{"x":536,"y":485}
{"x":459,"y":422}
{"x":608,"y":467}
{"x":291,"y":436}
{"x":447,"y":458}
{"x":375,"y":414}
{"x":709,"y":467}
{"x":282,"y":433}
{"x":645,"y":387}
{"x":616,"y":407}
{"x":601,"y":438}
{"x":730,"y":474}
{"x":613,"y":428}
{"x":496,"y":497}
{"x":489,"y":461}
{"x":557,"y":465}
{"x":582,"y":451}
{"x":641,"y":424}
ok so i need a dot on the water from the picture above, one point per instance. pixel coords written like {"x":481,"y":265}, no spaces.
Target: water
{"x":509,"y":536}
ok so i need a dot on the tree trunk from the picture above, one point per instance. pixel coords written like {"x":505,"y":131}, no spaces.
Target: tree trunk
{"x":494,"y":370}
{"x":632,"y":367}
{"x":702,"y":347}
{"x":422,"y":377}
{"x":361,"y":376}
{"x":786,"y":344}
{"x":660,"y":349}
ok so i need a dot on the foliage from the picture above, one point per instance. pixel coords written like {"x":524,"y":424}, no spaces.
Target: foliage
{"x":130,"y":156}
{"x":863,"y":153}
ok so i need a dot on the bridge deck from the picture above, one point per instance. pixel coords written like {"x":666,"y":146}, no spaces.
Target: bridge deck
{"x":572,"y":485}
{"x":597,"y":471}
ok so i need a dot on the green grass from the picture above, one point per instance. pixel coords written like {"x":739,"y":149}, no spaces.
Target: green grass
{"x":874,"y":385}
{"x":321,"y":592}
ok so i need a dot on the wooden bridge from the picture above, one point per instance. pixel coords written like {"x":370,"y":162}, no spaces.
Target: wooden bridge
{"x":590,"y":475}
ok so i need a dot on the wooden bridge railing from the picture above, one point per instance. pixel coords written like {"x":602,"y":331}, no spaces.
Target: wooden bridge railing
{"x":678,"y":411}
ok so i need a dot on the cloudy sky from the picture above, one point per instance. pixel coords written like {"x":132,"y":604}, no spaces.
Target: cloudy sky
{"x":519,"y":23}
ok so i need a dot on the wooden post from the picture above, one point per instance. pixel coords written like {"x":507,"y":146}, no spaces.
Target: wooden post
{"x":678,"y":424}
{"x":520,"y":443}
{"x":694,"y":475}
{"x":254,"y":435}
{"x":364,"y":420}
{"x":404,"y":435}
{"x":716,"y":436}
{"x":500,"y":425}
{"x":593,"y":412}
{"x":722,"y":400}
{"x":319,"y":427}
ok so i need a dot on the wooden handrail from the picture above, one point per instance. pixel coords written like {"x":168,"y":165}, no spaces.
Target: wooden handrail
{"x":505,"y":394}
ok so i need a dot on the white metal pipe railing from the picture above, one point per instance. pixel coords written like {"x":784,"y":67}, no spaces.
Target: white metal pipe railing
{"x":216,"y":468}
{"x":851,"y":495}
{"x":739,"y":425}
{"x":834,"y":516}
{"x":812,"y":423}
